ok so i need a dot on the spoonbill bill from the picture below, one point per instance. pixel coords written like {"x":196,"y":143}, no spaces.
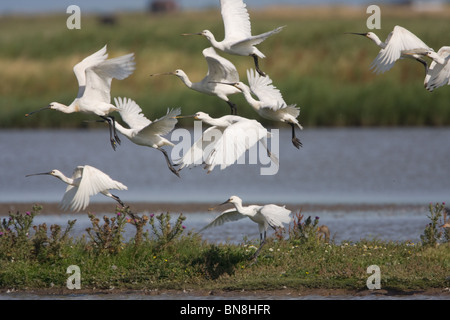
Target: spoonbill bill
{"x":271,"y":104}
{"x":399,"y":40}
{"x":144,"y":132}
{"x":85,"y":182}
{"x":438,"y":73}
{"x":269,"y":215}
{"x":94,"y":74}
{"x":238,"y":36}
{"x":219,"y":70}
{"x":222,"y":144}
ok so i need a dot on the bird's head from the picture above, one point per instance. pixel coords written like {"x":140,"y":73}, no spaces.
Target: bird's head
{"x":240,"y":85}
{"x":201,"y":116}
{"x":197,"y":116}
{"x":234,"y":199}
{"x":179,"y":73}
{"x":53,"y":106}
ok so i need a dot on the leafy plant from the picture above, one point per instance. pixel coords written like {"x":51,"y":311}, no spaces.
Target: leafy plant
{"x":163,"y":230}
{"x":109,"y":236}
{"x":435,"y":231}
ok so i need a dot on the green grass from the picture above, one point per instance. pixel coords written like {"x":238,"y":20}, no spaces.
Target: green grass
{"x":312,"y":61}
{"x":167,"y":257}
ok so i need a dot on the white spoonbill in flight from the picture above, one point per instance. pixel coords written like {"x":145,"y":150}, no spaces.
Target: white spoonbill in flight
{"x":94,"y":75}
{"x":438,"y":74}
{"x":85,"y":182}
{"x":238,"y":36}
{"x":222,"y":144}
{"x":271,"y":104}
{"x":269,"y":215}
{"x":219,"y":70}
{"x":398,"y":41}
{"x":144,"y":132}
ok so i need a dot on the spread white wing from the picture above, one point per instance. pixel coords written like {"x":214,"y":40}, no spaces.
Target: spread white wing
{"x":400,"y":39}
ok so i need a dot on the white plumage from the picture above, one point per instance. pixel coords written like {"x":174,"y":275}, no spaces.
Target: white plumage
{"x":271,"y":104}
{"x":398,"y":41}
{"x":266,"y":215}
{"x":238,"y":38}
{"x":94,"y":74}
{"x":228,"y":138}
{"x":438,"y":73}
{"x":85,"y":182}
{"x":144,"y":132}
{"x":219,"y":70}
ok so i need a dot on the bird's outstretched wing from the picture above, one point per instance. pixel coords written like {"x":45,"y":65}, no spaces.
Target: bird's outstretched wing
{"x":234,"y":142}
{"x":236,"y":20}
{"x":194,"y":156}
{"x":400,"y":39}
{"x":131,"y":113}
{"x":219,"y":68}
{"x":80,"y":68}
{"x":99,"y":77}
{"x":226,"y":216}
{"x":91,"y":182}
{"x":438,"y":75}
{"x":266,"y":92}
{"x":254,"y":40}
{"x":276,"y":216}
{"x":163,"y":125}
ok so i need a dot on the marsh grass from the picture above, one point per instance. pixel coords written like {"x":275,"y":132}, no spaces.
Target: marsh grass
{"x":312,"y":61}
{"x":168,"y":257}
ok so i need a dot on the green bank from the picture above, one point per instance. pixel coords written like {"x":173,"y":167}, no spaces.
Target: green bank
{"x":312,"y":61}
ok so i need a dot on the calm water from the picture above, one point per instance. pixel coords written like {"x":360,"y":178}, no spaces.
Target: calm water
{"x":334,"y":166}
{"x":399,"y":171}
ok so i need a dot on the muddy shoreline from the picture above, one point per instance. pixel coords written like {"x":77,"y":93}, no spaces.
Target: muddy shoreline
{"x":225,"y":294}
{"x":158,"y":207}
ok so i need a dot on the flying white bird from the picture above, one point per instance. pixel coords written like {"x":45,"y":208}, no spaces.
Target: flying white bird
{"x":222,"y":144}
{"x":144,"y":132}
{"x":85,"y":182}
{"x":399,"y":40}
{"x":271,"y":104}
{"x":94,"y":75}
{"x":265,"y":216}
{"x":438,"y":73}
{"x":219,"y":70}
{"x":238,"y":36}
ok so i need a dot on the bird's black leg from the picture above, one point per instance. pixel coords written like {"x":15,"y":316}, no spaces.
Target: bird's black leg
{"x":232,"y":107}
{"x":116,"y":136}
{"x":169,"y":164}
{"x":262,"y":241}
{"x":118,"y":200}
{"x":255,"y":58}
{"x":425,"y":64}
{"x":295,"y":141}
{"x":113,"y":142}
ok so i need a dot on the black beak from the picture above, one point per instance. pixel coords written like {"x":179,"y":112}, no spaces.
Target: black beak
{"x":359,"y":34}
{"x":29,"y":114}
{"x":38,"y":174}
{"x":210,"y":209}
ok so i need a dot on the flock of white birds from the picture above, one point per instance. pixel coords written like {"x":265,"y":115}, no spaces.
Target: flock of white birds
{"x":95,"y":74}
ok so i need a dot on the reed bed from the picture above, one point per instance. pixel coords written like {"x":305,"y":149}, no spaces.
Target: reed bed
{"x":312,"y":61}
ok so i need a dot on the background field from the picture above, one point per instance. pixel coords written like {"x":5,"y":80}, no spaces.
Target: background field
{"x":312,"y":61}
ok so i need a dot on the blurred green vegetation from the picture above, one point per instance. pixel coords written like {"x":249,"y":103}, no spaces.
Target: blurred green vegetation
{"x":312,"y":61}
